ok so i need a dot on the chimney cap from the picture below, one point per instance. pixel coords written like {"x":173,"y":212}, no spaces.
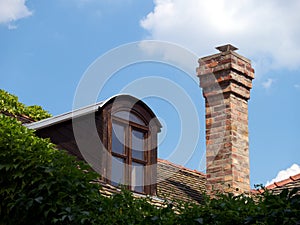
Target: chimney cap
{"x":226,"y":48}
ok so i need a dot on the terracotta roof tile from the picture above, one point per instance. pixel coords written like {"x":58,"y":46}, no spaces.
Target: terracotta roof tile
{"x":108,"y":190}
{"x":175,"y":182}
{"x":295,"y":177}
{"x":181,"y":167}
{"x":284,"y":182}
{"x":277,"y":187}
{"x":178,"y":182}
{"x":271,"y":186}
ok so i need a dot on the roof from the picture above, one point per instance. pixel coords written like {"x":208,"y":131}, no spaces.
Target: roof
{"x":175,"y":182}
{"x":289,"y":183}
{"x":84,"y":111}
{"x":178,"y":182}
{"x":108,"y":190}
{"x":64,"y":117}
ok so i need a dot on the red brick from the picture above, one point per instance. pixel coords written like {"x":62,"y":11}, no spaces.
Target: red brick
{"x":226,"y":118}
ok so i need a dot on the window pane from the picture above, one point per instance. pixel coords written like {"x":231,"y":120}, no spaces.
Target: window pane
{"x":118,"y":138}
{"x":137,"y":177}
{"x":137,"y":140}
{"x":117,"y":171}
{"x":128,"y":116}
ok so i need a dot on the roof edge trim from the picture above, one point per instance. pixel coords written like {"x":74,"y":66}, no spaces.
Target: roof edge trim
{"x":81,"y":112}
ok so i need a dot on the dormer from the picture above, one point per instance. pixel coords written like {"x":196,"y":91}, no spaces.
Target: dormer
{"x":117,"y":137}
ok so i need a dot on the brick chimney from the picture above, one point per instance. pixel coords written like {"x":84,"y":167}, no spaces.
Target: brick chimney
{"x":226,"y":80}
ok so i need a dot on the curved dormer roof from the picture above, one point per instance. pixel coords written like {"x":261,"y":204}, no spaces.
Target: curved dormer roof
{"x":91,"y":109}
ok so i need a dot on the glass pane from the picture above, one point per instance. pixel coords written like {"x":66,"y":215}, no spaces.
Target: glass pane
{"x":137,"y":140}
{"x":137,"y":177}
{"x":117,"y":171}
{"x":118,"y":138}
{"x":128,"y":116}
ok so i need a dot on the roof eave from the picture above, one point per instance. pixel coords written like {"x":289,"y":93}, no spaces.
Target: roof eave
{"x":64,"y":117}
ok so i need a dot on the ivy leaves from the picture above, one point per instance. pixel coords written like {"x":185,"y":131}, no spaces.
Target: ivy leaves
{"x":42,"y":185}
{"x":9,"y":103}
{"x":39,"y":182}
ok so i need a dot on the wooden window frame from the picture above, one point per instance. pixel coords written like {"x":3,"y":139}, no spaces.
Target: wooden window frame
{"x":146,"y":116}
{"x":128,"y":156}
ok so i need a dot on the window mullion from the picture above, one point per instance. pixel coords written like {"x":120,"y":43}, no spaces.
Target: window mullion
{"x":128,"y":155}
{"x":133,"y":138}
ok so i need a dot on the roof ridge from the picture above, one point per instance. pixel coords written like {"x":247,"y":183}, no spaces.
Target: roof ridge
{"x":295,"y":177}
{"x":181,"y":167}
{"x":284,"y":181}
{"x":280,"y":183}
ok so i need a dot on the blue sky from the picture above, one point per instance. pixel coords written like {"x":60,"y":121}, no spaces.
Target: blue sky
{"x":46,"y":47}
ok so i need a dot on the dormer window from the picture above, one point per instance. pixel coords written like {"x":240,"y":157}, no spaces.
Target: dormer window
{"x":129,"y":150}
{"x":117,"y":137}
{"x":132,"y":142}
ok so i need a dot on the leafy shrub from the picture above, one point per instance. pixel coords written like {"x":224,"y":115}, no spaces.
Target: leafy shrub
{"x":265,"y":208}
{"x":9,"y":103}
{"x":42,"y":185}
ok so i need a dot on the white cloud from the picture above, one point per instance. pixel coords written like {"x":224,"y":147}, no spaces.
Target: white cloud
{"x":12,"y":27}
{"x":297,"y":86}
{"x":268,"y":83}
{"x":12,"y":10}
{"x":284,"y":174}
{"x":266,"y":31}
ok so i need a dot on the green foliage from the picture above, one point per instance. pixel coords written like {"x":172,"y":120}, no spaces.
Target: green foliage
{"x":265,"y":208}
{"x":9,"y":103}
{"x":123,"y":208}
{"x":42,"y":185}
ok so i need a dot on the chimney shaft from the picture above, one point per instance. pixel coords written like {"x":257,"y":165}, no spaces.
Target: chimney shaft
{"x":226,"y":80}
